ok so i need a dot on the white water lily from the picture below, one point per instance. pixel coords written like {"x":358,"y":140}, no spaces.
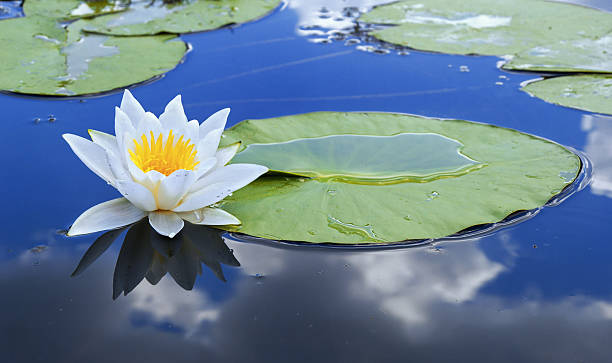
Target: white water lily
{"x":168,"y":169}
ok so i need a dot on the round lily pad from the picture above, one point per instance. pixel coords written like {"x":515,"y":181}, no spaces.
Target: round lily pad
{"x":146,"y":17}
{"x":488,"y":27}
{"x":585,"y":92}
{"x":582,"y":55}
{"x":319,"y":191}
{"x":41,"y":57}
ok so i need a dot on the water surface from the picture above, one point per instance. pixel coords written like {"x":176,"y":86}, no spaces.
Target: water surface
{"x":538,"y":291}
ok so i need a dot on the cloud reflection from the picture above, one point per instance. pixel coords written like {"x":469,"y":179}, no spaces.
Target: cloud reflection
{"x":599,"y":150}
{"x":407,"y":285}
{"x":415,"y":304}
{"x":334,"y":14}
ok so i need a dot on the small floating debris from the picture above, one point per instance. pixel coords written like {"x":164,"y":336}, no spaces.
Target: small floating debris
{"x":38,"y":249}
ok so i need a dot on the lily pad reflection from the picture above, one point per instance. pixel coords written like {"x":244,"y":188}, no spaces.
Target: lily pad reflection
{"x":146,"y":254}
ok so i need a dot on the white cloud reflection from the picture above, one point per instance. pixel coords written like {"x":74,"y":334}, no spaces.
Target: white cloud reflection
{"x":599,"y":150}
{"x":407,"y":284}
{"x":166,"y":302}
{"x":328,"y":14}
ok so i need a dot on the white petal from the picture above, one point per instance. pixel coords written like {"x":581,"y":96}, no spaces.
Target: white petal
{"x":205,"y":166}
{"x":123,"y":124}
{"x":207,"y":146}
{"x":112,"y":214}
{"x":92,"y":155}
{"x":204,"y":197}
{"x":136,"y":173}
{"x":132,"y":108}
{"x":166,"y":223}
{"x":137,"y":194}
{"x":215,"y":217}
{"x":123,"y":128}
{"x":107,"y":141}
{"x":118,"y":167}
{"x":226,"y":154}
{"x":233,"y":176}
{"x":109,"y":144}
{"x":151,"y":180}
{"x":173,"y":188}
{"x":192,"y":131}
{"x":193,"y":216}
{"x":215,"y":121}
{"x":154,"y":177}
{"x":149,"y":123}
{"x":174,"y":115}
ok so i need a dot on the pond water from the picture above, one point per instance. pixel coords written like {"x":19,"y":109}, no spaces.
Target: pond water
{"x":537,"y":291}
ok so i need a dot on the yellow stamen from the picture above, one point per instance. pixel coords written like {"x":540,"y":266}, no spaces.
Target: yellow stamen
{"x":166,"y":157}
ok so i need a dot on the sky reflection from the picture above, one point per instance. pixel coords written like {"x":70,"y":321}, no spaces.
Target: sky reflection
{"x":537,"y":291}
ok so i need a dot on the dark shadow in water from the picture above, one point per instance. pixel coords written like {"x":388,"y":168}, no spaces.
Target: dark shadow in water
{"x":147,"y":254}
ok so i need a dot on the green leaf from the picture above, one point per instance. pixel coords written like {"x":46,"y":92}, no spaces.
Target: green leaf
{"x":488,"y":27}
{"x":585,"y":92}
{"x":582,"y":55}
{"x":515,"y":172}
{"x":41,"y":57}
{"x":145,"y":17}
{"x":73,"y":9}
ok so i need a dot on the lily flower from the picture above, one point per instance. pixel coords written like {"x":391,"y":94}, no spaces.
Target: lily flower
{"x":167,"y":169}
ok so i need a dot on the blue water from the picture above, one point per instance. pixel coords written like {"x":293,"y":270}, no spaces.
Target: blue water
{"x":538,"y":291}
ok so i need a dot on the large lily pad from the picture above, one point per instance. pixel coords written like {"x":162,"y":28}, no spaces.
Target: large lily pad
{"x":586,"y":92}
{"x":581,"y":55}
{"x":73,"y":9}
{"x":490,"y":172}
{"x":145,"y":17}
{"x":489,"y":27}
{"x":41,"y":57}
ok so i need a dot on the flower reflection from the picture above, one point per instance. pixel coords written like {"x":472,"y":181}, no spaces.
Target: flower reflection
{"x":148,"y":255}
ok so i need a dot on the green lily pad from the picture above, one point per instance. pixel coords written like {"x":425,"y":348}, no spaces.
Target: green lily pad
{"x":41,"y":57}
{"x":73,"y":9}
{"x":483,"y":174}
{"x":582,"y":55}
{"x":145,"y":17}
{"x":488,"y":27}
{"x":585,"y":92}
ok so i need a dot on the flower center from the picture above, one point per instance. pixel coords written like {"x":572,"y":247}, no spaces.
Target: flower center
{"x":165,"y":157}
